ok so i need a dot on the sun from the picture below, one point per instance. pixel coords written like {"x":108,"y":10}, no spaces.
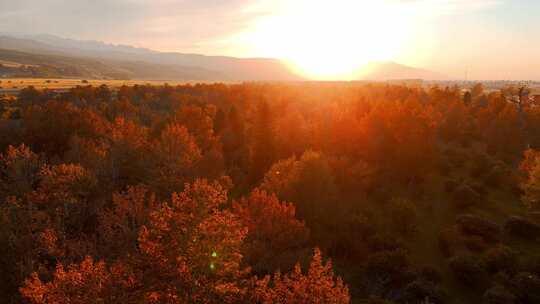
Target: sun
{"x":330,"y":39}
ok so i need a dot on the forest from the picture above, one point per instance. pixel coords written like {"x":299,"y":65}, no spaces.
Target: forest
{"x":304,"y":192}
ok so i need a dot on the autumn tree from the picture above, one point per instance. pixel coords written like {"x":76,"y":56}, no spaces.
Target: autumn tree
{"x":409,"y":153}
{"x":318,"y":285}
{"x":308,"y":182}
{"x":46,"y":224}
{"x":477,"y":90}
{"x":235,"y":149}
{"x":531,"y":182}
{"x":199,"y":121}
{"x":175,"y":155}
{"x":19,"y":168}
{"x":502,"y":129}
{"x":105,"y":201}
{"x":263,"y":147}
{"x":64,"y":200}
{"x":18,"y":245}
{"x":119,"y":224}
{"x":88,"y":282}
{"x":467,"y":98}
{"x":127,"y":152}
{"x":191,"y":250}
{"x":49,"y":127}
{"x":274,"y":233}
{"x":219,"y":121}
{"x":292,"y":123}
{"x":94,"y":155}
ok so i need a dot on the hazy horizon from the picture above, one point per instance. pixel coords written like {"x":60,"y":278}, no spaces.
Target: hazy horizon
{"x":474,"y":39}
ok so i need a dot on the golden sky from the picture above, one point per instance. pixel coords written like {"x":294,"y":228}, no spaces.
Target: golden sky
{"x":484,"y":39}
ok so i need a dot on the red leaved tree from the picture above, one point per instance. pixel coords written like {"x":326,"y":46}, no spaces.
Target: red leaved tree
{"x":191,"y":249}
{"x":318,"y":285}
{"x":274,"y":234}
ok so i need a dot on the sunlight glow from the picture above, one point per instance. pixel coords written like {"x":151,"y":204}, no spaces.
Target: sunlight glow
{"x":331,"y":39}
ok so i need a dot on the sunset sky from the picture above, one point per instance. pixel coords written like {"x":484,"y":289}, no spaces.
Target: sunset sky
{"x":491,"y":39}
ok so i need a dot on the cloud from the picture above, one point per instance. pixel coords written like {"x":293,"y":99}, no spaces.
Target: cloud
{"x":438,"y":7}
{"x":161,"y":24}
{"x":183,"y":25}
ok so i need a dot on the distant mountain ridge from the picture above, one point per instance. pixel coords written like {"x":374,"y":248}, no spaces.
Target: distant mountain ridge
{"x":142,"y":63}
{"x":30,"y":65}
{"x":388,"y":70}
{"x":86,"y":45}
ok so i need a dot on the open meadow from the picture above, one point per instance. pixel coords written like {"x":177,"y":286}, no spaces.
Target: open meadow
{"x":13,"y":85}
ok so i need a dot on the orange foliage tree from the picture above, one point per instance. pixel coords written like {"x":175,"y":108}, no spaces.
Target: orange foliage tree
{"x":19,"y":168}
{"x":192,"y":250}
{"x":274,"y":233}
{"x":318,"y":285}
{"x":175,"y":155}
{"x":119,"y":225}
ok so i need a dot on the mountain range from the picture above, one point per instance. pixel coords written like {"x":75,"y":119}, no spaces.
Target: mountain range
{"x":50,"y":56}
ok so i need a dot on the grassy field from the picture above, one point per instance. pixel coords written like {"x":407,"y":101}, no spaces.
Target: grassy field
{"x":9,"y":85}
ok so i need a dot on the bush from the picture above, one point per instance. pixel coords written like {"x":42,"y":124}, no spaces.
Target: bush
{"x":388,"y":269}
{"x":404,"y":216}
{"x":480,"y":189}
{"x":431,"y":274}
{"x":455,"y":158}
{"x":465,"y":196}
{"x":450,"y":185}
{"x":445,"y":168}
{"x":420,"y":290}
{"x":475,"y":243}
{"x":350,"y":238}
{"x":527,"y":288}
{"x":522,"y":227}
{"x":496,"y":176}
{"x":447,"y":241}
{"x":532,"y":264}
{"x":387,"y":262}
{"x":481,"y":164}
{"x":500,"y":259}
{"x":469,"y":270}
{"x":499,"y":295}
{"x":377,"y":300}
{"x":15,"y":114}
{"x":361,"y":226}
{"x":474,"y":225}
{"x":534,"y":216}
{"x":383,"y":242}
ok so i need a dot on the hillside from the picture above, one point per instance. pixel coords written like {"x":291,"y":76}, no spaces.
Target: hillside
{"x":147,"y":64}
{"x":128,"y":61}
{"x":47,"y":65}
{"x":387,"y":70}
